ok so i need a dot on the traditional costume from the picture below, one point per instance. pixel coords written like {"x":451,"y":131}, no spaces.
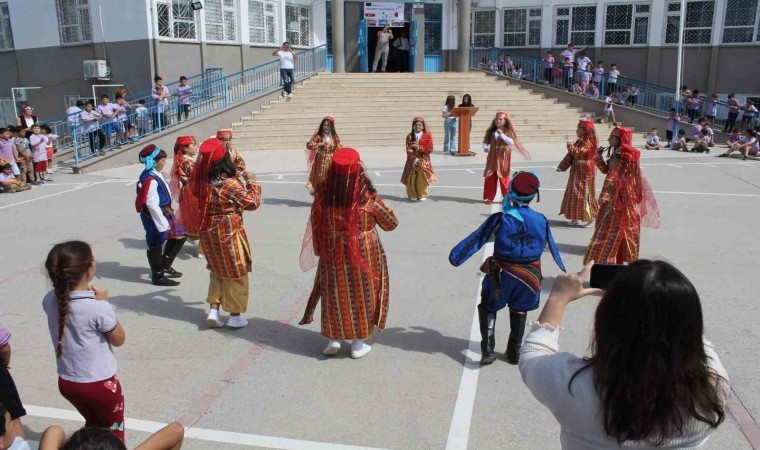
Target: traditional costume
{"x":318,"y":156}
{"x":513,"y":273}
{"x":185,"y":200}
{"x":579,"y":202}
{"x":499,"y":148}
{"x":154,"y":204}
{"x":626,"y":202}
{"x":341,"y":239}
{"x":418,"y":170}
{"x":222,"y":200}
{"x":226,"y":137}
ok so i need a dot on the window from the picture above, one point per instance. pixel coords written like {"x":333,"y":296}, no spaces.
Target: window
{"x":298,"y":20}
{"x":176,"y":19}
{"x":221,"y":20}
{"x":433,"y":29}
{"x":698,"y":26}
{"x":522,"y":27}
{"x":740,"y":23}
{"x":263,"y":21}
{"x":73,"y":21}
{"x":6,"y":34}
{"x":575,"y":24}
{"x":626,"y":24}
{"x":483,"y":28}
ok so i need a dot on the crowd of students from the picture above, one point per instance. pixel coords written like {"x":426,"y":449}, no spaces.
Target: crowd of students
{"x":26,"y":157}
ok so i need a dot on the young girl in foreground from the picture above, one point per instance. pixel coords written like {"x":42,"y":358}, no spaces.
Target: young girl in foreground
{"x":418,"y":170}
{"x":84,"y":330}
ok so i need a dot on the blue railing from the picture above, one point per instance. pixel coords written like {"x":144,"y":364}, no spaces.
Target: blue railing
{"x":211,"y":91}
{"x":624,"y":91}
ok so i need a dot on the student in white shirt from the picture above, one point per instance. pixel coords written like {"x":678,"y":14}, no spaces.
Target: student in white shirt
{"x":570,"y":52}
{"x":653,"y":141}
{"x":612,"y":78}
{"x":384,"y":38}
{"x":402,"y":48}
{"x":288,"y":60}
{"x":750,"y":147}
{"x":608,"y":111}
{"x":679,"y":144}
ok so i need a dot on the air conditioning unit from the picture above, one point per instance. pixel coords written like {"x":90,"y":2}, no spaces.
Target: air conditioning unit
{"x":96,"y":68}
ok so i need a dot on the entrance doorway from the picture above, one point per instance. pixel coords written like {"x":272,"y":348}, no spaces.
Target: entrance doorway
{"x":398,"y":61}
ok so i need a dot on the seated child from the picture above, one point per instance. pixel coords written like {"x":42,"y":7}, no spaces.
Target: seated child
{"x":736,"y":138}
{"x":577,"y":89}
{"x":9,"y":182}
{"x":749,"y":147}
{"x":702,"y":142}
{"x":680,"y":142}
{"x":653,"y":141}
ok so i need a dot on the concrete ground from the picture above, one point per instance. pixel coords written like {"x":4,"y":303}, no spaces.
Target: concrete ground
{"x":268,"y":385}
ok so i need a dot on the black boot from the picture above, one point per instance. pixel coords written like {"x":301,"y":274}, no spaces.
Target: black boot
{"x":487,"y":332}
{"x":155,"y":259}
{"x":173,"y":246}
{"x":516,"y":332}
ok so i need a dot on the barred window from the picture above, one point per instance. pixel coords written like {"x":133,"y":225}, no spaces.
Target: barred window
{"x":483,"y":28}
{"x":221,"y":21}
{"x":433,"y":28}
{"x":264,"y":21}
{"x":522,"y":27}
{"x":6,"y":34}
{"x":699,"y":21}
{"x":298,"y":20}
{"x":740,"y":22}
{"x":575,"y":24}
{"x":626,"y":24}
{"x":73,"y":21}
{"x":176,"y":20}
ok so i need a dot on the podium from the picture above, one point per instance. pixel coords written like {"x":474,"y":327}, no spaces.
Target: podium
{"x":464,"y":114}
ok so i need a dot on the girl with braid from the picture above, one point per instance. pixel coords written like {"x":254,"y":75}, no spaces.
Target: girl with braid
{"x":84,"y":330}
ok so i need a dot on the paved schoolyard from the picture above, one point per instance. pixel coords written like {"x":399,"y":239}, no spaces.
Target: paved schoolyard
{"x":269,"y":386}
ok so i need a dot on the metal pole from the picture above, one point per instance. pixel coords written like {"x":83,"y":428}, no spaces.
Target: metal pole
{"x":338,"y":36}
{"x":678,"y":66}
{"x":463,"y":43}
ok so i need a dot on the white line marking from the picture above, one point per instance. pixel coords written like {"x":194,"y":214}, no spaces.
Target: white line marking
{"x":459,"y":431}
{"x":677,"y":167}
{"x":49,"y":195}
{"x":131,"y":183}
{"x":227,"y":437}
{"x":470,"y":170}
{"x":379,"y":174}
{"x":711,"y":165}
{"x":280,"y":176}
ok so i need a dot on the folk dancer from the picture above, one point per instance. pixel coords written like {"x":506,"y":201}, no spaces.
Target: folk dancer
{"x":499,"y":141}
{"x":342,"y":241}
{"x":154,"y":204}
{"x":223,"y":197}
{"x":579,"y":203}
{"x":225,"y":136}
{"x":418,"y":170}
{"x":513,"y":274}
{"x":319,"y":152}
{"x":625,"y":203}
{"x":185,"y":152}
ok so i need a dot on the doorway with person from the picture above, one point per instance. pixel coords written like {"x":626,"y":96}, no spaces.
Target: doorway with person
{"x":399,"y":47}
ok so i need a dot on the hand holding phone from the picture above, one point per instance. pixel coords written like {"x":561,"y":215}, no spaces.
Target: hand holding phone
{"x":602,"y":275}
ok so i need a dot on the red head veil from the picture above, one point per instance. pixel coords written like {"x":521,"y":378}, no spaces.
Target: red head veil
{"x":426,"y":140}
{"x":590,"y":130}
{"x":188,"y":201}
{"x":332,"y":233}
{"x":631,"y":185}
{"x":510,"y":131}
{"x":312,"y":154}
{"x":211,"y":151}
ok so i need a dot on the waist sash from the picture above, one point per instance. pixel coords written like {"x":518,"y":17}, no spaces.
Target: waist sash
{"x":527,"y":273}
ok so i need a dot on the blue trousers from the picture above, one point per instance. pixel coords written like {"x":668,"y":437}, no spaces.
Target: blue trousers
{"x":514,"y":294}
{"x":450,"y":143}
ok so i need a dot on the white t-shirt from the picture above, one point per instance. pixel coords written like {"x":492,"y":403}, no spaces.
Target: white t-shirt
{"x":613,"y":75}
{"x":598,"y":72}
{"x":73,"y":119}
{"x":87,"y":354}
{"x":383,"y":39}
{"x":583,"y":63}
{"x":653,"y":139}
{"x":567,"y":53}
{"x":89,"y":120}
{"x":446,"y":112}
{"x":286,"y":60}
{"x":607,"y":104}
{"x":19,"y":444}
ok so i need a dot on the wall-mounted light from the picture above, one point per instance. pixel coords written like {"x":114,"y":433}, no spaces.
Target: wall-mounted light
{"x":196,"y":5}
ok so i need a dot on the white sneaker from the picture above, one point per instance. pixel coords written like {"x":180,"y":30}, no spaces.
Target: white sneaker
{"x":589,"y":225}
{"x":359,"y":348}
{"x":237,"y":322}
{"x":574,"y":223}
{"x":290,"y":95}
{"x":422,"y":199}
{"x":213,"y":319}
{"x":332,"y":348}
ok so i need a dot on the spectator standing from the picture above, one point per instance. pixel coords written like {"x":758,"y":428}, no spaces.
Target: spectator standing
{"x":384,"y":37}
{"x":8,"y":152}
{"x":183,"y":93}
{"x":548,"y":64}
{"x":733,"y":112}
{"x":712,"y":109}
{"x":38,"y":143}
{"x":749,"y":111}
{"x":633,"y":94}
{"x":73,"y":115}
{"x":598,"y":74}
{"x":693,"y":104}
{"x":570,"y":52}
{"x":90,"y":119}
{"x":25,"y":160}
{"x":9,"y":397}
{"x":142,"y":117}
{"x":288,"y":63}
{"x":567,"y":69}
{"x":160,"y":118}
{"x":608,"y":108}
{"x":108,"y":115}
{"x":450,"y":144}
{"x":126,"y":120}
{"x":612,"y":78}
{"x":673,"y":120}
{"x":402,"y":47}
{"x":26,"y":119}
{"x":584,"y":71}
{"x":50,"y":149}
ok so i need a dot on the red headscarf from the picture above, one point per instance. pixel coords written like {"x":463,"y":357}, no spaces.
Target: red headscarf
{"x":510,"y":132}
{"x":224,"y":134}
{"x":187,"y":202}
{"x":211,"y":151}
{"x":426,"y":140}
{"x":338,"y":201}
{"x":631,"y":185}
{"x":590,"y":130}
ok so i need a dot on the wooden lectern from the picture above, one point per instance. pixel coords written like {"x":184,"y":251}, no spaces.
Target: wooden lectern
{"x":464,"y":113}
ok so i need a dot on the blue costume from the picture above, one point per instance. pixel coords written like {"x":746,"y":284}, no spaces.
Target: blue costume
{"x":513,"y":273}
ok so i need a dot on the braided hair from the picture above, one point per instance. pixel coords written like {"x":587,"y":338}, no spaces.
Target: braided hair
{"x":66,"y":265}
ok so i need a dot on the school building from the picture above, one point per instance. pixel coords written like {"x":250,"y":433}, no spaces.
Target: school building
{"x":44,"y":43}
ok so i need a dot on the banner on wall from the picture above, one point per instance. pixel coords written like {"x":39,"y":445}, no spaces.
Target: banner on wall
{"x":378,"y":14}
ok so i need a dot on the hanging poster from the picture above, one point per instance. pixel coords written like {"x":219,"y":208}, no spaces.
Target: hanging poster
{"x":379,"y":14}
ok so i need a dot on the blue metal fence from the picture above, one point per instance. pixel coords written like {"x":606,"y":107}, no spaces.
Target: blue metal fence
{"x":211,"y":91}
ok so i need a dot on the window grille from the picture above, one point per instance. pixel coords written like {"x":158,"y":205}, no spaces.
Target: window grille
{"x":483,"y":28}
{"x":626,"y":24}
{"x":741,"y":22}
{"x":176,"y":20}
{"x":698,"y":26}
{"x":221,"y":21}
{"x":264,"y":22}
{"x":575,"y":24}
{"x":6,"y":33}
{"x":73,"y":21}
{"x":522,"y":27}
{"x":433,"y":29}
{"x":298,"y":20}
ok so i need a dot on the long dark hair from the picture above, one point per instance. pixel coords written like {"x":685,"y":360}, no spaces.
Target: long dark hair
{"x":66,"y":265}
{"x":224,"y":168}
{"x":466,"y":101}
{"x":93,"y":438}
{"x":492,"y":129}
{"x":648,"y":358}
{"x":411,"y":133}
{"x":450,"y":102}
{"x":332,"y":128}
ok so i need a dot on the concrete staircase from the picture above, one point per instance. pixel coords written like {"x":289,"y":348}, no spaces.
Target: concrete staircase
{"x":376,"y":110}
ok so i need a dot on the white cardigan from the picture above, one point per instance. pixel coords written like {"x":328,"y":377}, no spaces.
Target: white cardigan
{"x":547,"y":372}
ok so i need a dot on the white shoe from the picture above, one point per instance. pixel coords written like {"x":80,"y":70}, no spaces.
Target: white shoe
{"x":237,"y":322}
{"x":213,"y":319}
{"x":359,"y":348}
{"x":332,"y":348}
{"x":422,"y":199}
{"x":284,"y":93}
{"x":290,"y":95}
{"x":574,"y":223}
{"x":201,"y":256}
{"x":589,"y":225}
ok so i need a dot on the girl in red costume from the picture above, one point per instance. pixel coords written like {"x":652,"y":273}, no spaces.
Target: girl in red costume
{"x":418,"y":170}
{"x":499,"y":141}
{"x":579,"y":203}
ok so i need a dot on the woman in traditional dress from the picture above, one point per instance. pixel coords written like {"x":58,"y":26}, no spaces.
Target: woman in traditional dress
{"x":185,"y":151}
{"x":418,"y":170}
{"x":225,"y":136}
{"x":499,"y":141}
{"x":341,"y":239}
{"x":579,"y":203}
{"x":626,"y":202}
{"x":320,"y":150}
{"x":223,"y":197}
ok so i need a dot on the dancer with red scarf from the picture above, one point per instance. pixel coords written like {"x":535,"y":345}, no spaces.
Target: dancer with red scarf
{"x":225,"y":136}
{"x":418,"y":170}
{"x":222,"y":198}
{"x":320,"y":150}
{"x":185,"y":151}
{"x":499,"y":141}
{"x":626,"y":202}
{"x":579,"y":203}
{"x":342,"y":241}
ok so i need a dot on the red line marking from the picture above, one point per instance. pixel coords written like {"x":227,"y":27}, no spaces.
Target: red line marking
{"x":744,"y":419}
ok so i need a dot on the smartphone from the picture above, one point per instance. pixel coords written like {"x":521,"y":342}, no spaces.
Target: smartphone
{"x":603,"y":274}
